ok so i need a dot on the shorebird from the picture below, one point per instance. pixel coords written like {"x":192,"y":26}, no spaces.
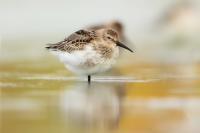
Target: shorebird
{"x":88,"y":52}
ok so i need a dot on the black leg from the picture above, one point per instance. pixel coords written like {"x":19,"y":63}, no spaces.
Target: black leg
{"x":89,"y":79}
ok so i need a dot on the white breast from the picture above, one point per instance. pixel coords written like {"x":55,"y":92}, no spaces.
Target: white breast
{"x":75,"y":61}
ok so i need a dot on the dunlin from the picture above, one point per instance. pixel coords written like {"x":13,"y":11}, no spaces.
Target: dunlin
{"x":87,"y":52}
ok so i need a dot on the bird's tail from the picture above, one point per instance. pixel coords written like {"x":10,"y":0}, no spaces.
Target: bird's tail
{"x":51,"y":46}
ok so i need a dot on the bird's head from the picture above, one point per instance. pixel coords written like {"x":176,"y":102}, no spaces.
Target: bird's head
{"x":112,"y":36}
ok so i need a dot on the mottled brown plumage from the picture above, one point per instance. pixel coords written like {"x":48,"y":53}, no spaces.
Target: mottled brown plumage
{"x":105,"y":51}
{"x":75,"y":41}
{"x":115,"y":25}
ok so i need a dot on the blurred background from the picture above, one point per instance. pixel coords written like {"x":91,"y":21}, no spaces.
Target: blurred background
{"x":156,"y":89}
{"x":161,"y":31}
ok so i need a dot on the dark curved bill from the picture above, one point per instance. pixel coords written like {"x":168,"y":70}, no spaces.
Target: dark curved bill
{"x":123,"y":46}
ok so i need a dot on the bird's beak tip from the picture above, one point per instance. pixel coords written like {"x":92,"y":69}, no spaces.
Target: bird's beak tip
{"x":124,"y":46}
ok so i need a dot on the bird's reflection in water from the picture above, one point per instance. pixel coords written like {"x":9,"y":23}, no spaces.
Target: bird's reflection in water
{"x":97,"y":105}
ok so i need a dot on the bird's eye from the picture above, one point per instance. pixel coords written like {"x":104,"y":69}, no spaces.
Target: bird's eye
{"x":108,"y":37}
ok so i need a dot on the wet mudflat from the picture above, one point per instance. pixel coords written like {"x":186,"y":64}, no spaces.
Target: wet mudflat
{"x":137,"y":98}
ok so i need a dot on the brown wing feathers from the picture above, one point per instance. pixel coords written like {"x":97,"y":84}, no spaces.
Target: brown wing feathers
{"x":76,"y":41}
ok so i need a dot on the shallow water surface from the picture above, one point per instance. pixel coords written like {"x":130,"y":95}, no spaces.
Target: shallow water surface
{"x":148,"y":98}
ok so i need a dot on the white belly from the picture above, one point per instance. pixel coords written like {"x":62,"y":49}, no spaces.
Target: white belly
{"x":77,"y":61}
